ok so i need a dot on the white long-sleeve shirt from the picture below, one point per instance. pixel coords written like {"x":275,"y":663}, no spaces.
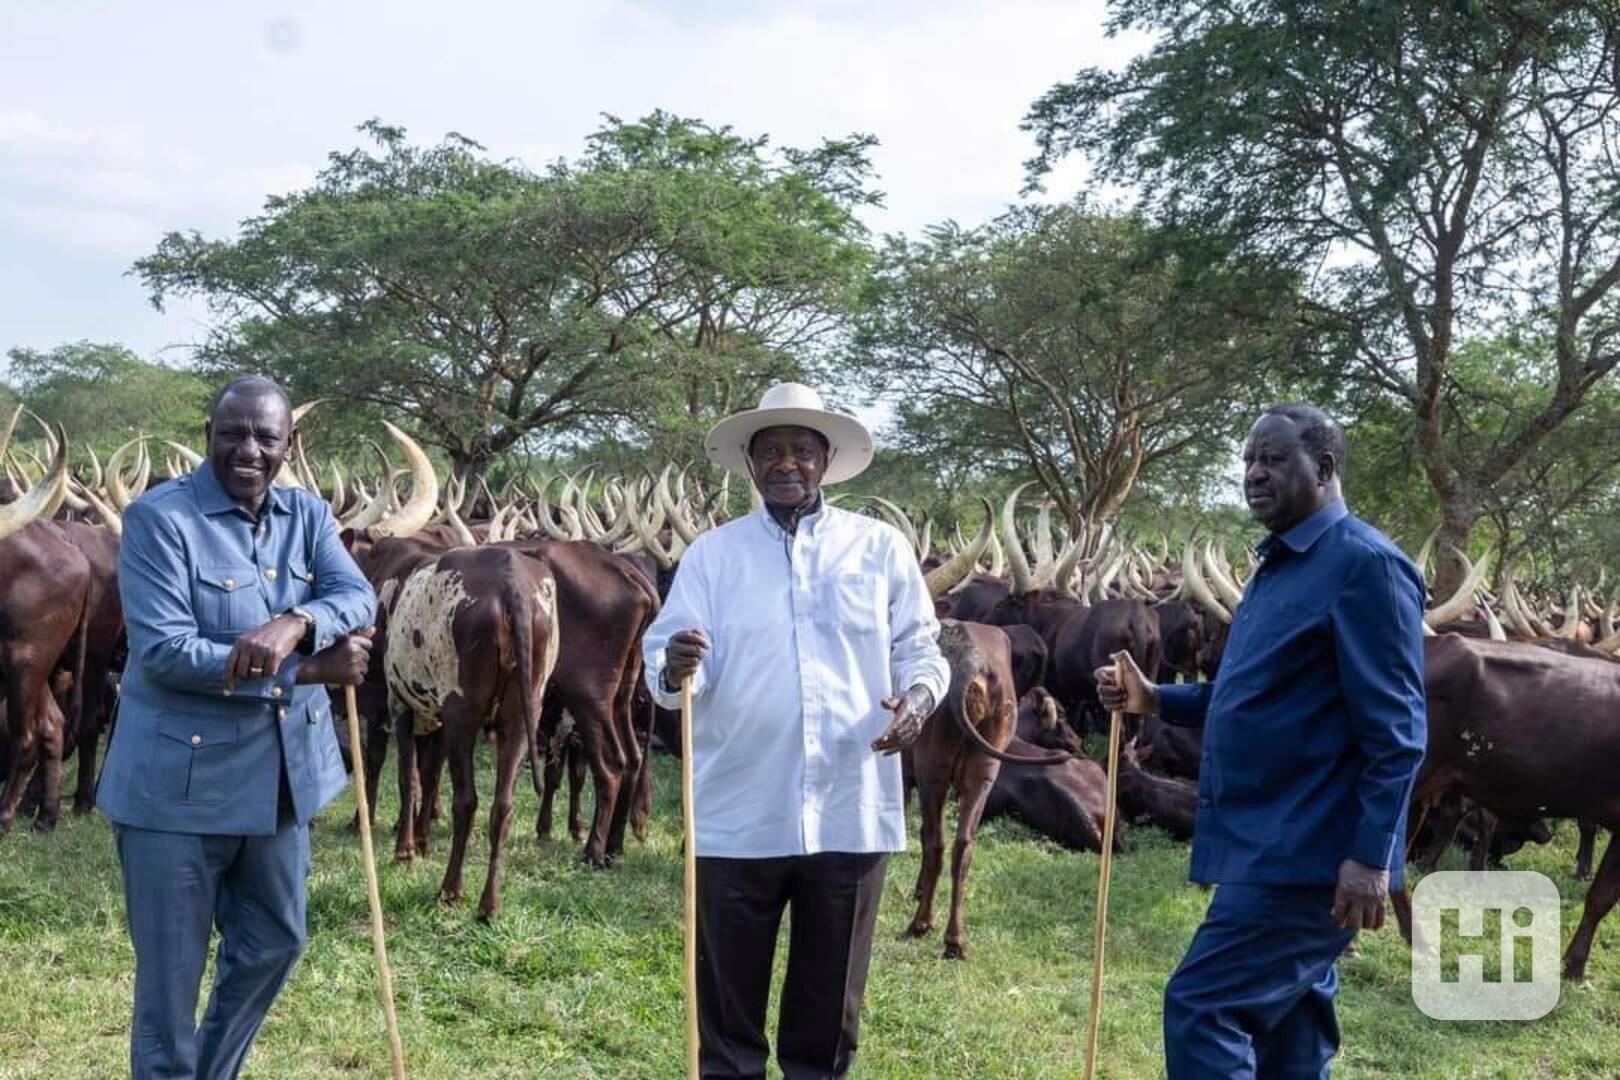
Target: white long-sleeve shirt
{"x":809,"y":632}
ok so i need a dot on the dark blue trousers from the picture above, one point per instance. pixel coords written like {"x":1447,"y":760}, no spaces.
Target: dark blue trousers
{"x":177,"y":886}
{"x":1253,"y":998}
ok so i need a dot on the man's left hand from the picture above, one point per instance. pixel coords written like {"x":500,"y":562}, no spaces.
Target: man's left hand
{"x":260,"y":652}
{"x":1358,"y":902}
{"x":910,"y":713}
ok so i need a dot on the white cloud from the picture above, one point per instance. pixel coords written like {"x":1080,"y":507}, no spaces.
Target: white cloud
{"x":190,"y":118}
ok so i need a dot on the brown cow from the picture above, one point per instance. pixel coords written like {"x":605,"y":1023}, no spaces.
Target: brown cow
{"x":1064,"y":802}
{"x":962,"y":748}
{"x":45,"y":584}
{"x":1525,"y":732}
{"x":104,"y":627}
{"x":473,"y":641}
{"x":607,"y":605}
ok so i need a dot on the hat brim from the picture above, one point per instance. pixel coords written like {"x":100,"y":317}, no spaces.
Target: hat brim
{"x":849,"y":443}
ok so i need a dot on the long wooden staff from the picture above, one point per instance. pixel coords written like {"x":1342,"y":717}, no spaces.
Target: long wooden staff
{"x":1115,"y":722}
{"x":689,"y":905}
{"x":385,"y":979}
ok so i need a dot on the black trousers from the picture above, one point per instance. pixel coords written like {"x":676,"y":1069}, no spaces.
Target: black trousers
{"x":834,"y":898}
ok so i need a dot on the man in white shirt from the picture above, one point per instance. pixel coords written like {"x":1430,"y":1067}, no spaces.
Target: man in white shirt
{"x":809,"y":635}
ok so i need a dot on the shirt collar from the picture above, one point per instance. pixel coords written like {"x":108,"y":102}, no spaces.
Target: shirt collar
{"x":1302,"y":537}
{"x":212,"y":498}
{"x":809,"y":520}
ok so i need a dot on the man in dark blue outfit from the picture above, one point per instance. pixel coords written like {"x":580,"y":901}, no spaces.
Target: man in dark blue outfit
{"x":1313,"y":734}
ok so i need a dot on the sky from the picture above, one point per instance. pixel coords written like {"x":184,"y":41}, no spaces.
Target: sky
{"x":122,"y":121}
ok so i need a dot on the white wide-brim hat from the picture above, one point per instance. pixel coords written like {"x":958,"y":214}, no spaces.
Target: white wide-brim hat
{"x":849,"y":444}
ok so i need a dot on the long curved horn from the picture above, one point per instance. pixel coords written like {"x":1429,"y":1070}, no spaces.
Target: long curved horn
{"x":463,"y":534}
{"x":1570,"y":628}
{"x":1513,"y":605}
{"x":1063,"y":577}
{"x":116,"y":490}
{"x":418,"y":509}
{"x":303,"y":410}
{"x":1045,"y":556}
{"x":1231,"y":596}
{"x":1425,"y":552}
{"x":1198,"y":588}
{"x":899,"y":520}
{"x":949,"y":574}
{"x":16,"y":516}
{"x":109,"y":517}
{"x":11,"y":426}
{"x":187,"y":454}
{"x":1458,"y":603}
{"x":1491,"y":621}
{"x":1023,"y":580}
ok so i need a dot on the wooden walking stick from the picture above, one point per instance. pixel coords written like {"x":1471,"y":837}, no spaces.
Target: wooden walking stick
{"x":689,"y":904}
{"x":1115,"y":722}
{"x":385,"y":980}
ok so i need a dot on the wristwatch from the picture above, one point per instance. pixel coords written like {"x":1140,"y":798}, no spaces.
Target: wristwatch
{"x":309,"y":625}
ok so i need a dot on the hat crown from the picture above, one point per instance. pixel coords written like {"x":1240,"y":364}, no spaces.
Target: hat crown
{"x":791,"y":395}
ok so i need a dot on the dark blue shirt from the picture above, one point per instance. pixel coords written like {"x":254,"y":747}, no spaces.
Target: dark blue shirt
{"x":1315,"y":726}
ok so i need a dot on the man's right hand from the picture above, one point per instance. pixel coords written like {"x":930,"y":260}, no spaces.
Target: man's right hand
{"x":682,"y":656}
{"x":343,"y":663}
{"x":1135,"y":695}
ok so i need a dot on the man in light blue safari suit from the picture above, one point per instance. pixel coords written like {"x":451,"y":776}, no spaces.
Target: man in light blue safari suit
{"x":241,"y":604}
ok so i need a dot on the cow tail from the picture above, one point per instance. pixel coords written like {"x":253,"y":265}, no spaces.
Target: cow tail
{"x":520,"y":617}
{"x":80,"y":661}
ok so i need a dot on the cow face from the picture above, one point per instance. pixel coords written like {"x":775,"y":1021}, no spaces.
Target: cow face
{"x":788,"y":463}
{"x":249,"y":435}
{"x":1284,"y":482}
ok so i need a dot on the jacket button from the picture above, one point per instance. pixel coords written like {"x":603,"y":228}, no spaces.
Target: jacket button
{"x":281,"y":712}
{"x":196,"y":740}
{"x":270,"y":573}
{"x":230,"y":583}
{"x":226,"y":691}
{"x":275,"y":691}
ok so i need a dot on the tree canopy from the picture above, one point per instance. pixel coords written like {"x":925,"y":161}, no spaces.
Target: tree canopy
{"x":659,"y":280}
{"x":1441,"y":172}
{"x":1082,"y":347}
{"x":103,"y":394}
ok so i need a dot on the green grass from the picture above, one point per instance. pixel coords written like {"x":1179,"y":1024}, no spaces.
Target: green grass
{"x":580,"y":976}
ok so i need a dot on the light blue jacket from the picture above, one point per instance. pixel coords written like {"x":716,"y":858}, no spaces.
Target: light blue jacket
{"x":195,"y":572}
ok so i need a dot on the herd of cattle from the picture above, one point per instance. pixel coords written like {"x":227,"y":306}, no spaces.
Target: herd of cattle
{"x":520,"y":620}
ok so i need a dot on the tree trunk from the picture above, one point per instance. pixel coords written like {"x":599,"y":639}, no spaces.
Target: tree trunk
{"x":1457,"y":521}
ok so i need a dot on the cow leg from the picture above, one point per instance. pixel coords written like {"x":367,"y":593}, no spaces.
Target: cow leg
{"x":409,"y":791}
{"x":430,"y":750}
{"x":24,"y":755}
{"x":511,"y":744}
{"x":969,"y":809}
{"x":86,"y":739}
{"x":50,"y":761}
{"x":931,"y":810}
{"x":1605,"y":890}
{"x":550,"y":779}
{"x":376,"y":754}
{"x":592,"y":720}
{"x":460,"y":738}
{"x":576,"y":793}
{"x":1583,"y":854}
{"x":641,"y":808}
{"x":625,"y":732}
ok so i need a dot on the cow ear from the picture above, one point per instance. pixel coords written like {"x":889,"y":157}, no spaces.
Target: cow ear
{"x":346,"y":538}
{"x":942,"y":609}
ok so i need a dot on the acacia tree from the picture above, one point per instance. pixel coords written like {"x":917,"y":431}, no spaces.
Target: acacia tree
{"x":1440,"y":170}
{"x":673,"y":266}
{"x":1083,"y":347}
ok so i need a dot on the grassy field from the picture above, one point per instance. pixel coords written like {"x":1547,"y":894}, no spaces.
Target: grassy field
{"x":580,"y":977}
